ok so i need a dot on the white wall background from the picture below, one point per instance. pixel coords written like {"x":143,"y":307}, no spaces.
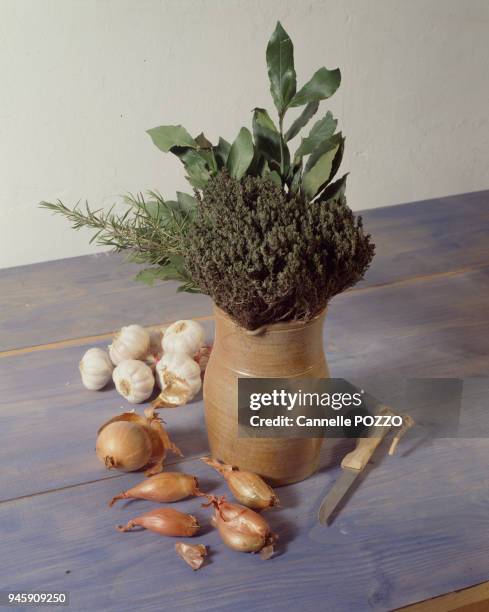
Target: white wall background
{"x":81,"y":81}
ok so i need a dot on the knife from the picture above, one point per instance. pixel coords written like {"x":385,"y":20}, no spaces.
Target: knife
{"x":352,"y":466}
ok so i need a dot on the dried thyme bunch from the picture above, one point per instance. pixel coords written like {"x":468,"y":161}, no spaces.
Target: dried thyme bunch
{"x":264,"y":255}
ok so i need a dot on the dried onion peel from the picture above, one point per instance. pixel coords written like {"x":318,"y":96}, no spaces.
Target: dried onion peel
{"x":241,"y":528}
{"x":165,"y":521}
{"x":193,"y":554}
{"x":129,"y":442}
{"x":248,"y":488}
{"x":164,"y":487}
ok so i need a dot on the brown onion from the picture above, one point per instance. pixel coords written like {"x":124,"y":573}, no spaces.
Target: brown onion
{"x":165,"y":521}
{"x":248,"y":488}
{"x":124,"y":446}
{"x":242,"y":529}
{"x":193,"y":554}
{"x":130,"y":442}
{"x":164,"y":487}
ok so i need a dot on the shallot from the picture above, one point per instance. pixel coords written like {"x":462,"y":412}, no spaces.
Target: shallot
{"x":165,"y":521}
{"x":164,"y":487}
{"x":248,"y":488}
{"x":241,"y":528}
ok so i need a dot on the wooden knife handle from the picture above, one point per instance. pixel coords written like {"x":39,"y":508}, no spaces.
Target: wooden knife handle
{"x":357,"y":459}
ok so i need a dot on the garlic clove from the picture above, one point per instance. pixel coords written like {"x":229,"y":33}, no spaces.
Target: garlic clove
{"x":184,"y":336}
{"x":95,"y":369}
{"x":134,"y":380}
{"x":178,"y":376}
{"x":132,"y":342}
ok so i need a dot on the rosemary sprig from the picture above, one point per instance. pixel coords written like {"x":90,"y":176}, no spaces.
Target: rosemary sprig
{"x":152,"y":230}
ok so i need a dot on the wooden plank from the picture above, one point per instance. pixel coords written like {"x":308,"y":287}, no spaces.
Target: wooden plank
{"x":473,"y":599}
{"x":98,"y":338}
{"x":428,"y":237}
{"x":415,"y":527}
{"x":428,"y":328}
{"x":434,"y":327}
{"x":96,"y":294}
{"x":84,"y":296}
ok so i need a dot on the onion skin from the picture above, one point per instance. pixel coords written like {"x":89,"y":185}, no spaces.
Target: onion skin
{"x":165,"y":521}
{"x":164,"y":487}
{"x":124,"y":446}
{"x":247,"y":487}
{"x":242,"y":529}
{"x":193,"y":554}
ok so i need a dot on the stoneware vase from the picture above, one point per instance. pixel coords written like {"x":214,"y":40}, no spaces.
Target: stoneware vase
{"x":281,"y":350}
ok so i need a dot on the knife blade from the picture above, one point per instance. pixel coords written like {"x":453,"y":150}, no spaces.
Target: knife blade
{"x":337,"y":493}
{"x":352,"y":466}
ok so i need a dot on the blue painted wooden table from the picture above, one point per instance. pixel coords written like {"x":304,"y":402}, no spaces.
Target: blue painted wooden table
{"x":417,"y":527}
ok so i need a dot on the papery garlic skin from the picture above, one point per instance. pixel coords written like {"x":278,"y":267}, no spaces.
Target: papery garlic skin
{"x":193,"y":554}
{"x":95,"y":369}
{"x":132,"y":342}
{"x":134,"y":380}
{"x":178,"y":377}
{"x":183,"y":337}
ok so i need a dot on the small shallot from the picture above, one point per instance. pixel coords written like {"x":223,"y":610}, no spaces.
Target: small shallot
{"x":242,"y":529}
{"x":248,"y":488}
{"x":193,"y":554}
{"x":164,"y":487}
{"x":165,"y":521}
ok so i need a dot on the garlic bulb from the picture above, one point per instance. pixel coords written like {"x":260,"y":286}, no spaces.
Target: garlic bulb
{"x":178,"y":376}
{"x":183,"y":337}
{"x":132,"y":342}
{"x":134,"y":380}
{"x":95,"y":369}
